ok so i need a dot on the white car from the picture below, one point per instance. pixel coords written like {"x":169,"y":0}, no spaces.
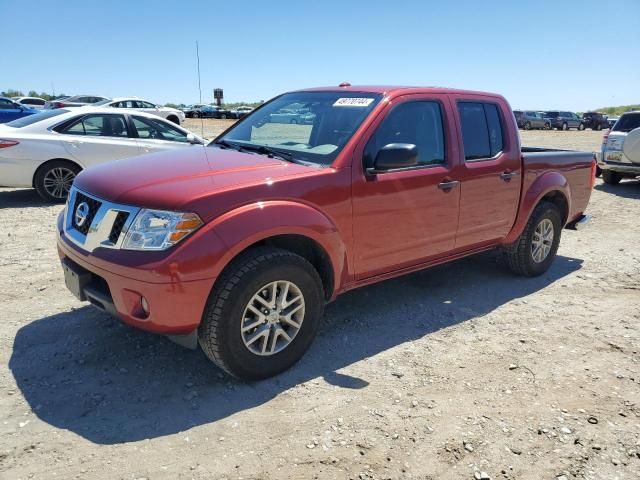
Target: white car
{"x":620,"y":157}
{"x":47,"y":150}
{"x":131,"y":103}
{"x":31,"y":102}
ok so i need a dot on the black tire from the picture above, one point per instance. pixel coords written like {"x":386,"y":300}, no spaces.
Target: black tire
{"x":565,"y":126}
{"x":581,"y":127}
{"x":598,"y":171}
{"x":598,"y":127}
{"x":527,"y":126}
{"x":519,"y":255}
{"x":547,"y":126}
{"x":219,"y":333}
{"x":174,"y":120}
{"x":611,"y":178}
{"x":195,"y":115}
{"x":46,"y":171}
{"x":293,"y":121}
{"x":223,"y":116}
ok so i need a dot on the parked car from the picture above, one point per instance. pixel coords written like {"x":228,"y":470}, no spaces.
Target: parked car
{"x":130,"y":103}
{"x":240,"y":112}
{"x":10,"y":110}
{"x":528,"y":119}
{"x":189,"y":110}
{"x":564,"y":120}
{"x":47,"y":150}
{"x":612,"y":121}
{"x":75,"y":101}
{"x":237,"y":246}
{"x":207,"y":111}
{"x":620,"y":156}
{"x":595,"y":120}
{"x":30,"y":102}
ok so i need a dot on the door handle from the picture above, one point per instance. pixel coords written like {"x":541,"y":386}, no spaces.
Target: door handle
{"x":507,"y":175}
{"x":447,"y":184}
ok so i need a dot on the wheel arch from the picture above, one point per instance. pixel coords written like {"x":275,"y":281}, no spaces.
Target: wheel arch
{"x":293,"y":226}
{"x":43,"y":164}
{"x":552,"y":187}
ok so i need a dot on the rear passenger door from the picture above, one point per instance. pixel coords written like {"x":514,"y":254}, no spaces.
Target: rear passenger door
{"x":490,"y":173}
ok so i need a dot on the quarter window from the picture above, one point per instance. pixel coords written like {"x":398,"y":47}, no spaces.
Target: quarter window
{"x":157,"y":130}
{"x":7,"y":104}
{"x":481,"y":130}
{"x":418,"y":123}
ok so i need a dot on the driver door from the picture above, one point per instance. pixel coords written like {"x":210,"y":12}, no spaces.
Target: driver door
{"x":406,"y":216}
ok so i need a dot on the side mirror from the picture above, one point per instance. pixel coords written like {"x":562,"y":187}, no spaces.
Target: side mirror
{"x":192,"y":139}
{"x":395,"y":155}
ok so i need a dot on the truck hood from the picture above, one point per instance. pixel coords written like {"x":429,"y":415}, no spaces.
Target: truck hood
{"x":185,"y":179}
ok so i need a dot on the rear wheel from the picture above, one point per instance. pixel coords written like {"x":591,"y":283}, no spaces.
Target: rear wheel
{"x":565,"y":126}
{"x":610,"y":177}
{"x":598,"y":171}
{"x":262,"y":314}
{"x":534,"y":251}
{"x":223,"y":116}
{"x":547,"y":126}
{"x":54,"y":179}
{"x":581,"y":126}
{"x":598,"y":127}
{"x":196,"y":115}
{"x":527,"y":126}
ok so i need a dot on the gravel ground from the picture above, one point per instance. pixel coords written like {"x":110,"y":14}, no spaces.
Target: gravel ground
{"x":445,"y":373}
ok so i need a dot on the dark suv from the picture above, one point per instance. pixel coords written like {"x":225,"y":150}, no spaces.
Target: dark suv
{"x":528,"y":119}
{"x":595,"y":120}
{"x":564,"y":120}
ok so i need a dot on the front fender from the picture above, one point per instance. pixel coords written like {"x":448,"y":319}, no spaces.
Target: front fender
{"x":544,"y":184}
{"x":246,"y":225}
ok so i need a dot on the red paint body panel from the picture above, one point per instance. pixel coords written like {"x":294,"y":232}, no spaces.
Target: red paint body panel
{"x":371,"y":227}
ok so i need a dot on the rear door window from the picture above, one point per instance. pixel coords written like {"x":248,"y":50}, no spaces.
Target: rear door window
{"x":98,"y":126}
{"x":481,"y":130}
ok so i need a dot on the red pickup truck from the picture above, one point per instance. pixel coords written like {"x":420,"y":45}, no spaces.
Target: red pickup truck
{"x":236,"y":246}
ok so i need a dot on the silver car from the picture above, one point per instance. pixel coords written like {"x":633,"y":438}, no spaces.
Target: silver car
{"x":75,"y":101}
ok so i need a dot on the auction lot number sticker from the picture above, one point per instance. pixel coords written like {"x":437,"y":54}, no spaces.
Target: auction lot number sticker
{"x":353,"y":102}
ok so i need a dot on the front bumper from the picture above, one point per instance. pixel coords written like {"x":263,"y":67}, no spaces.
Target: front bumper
{"x":175,"y":307}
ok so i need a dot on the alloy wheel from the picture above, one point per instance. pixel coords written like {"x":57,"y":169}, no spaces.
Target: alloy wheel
{"x":542,"y":240}
{"x":272,"y":318}
{"x":57,"y":182}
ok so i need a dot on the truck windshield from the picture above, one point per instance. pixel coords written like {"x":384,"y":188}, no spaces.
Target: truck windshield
{"x":627,"y":122}
{"x":308,"y":126}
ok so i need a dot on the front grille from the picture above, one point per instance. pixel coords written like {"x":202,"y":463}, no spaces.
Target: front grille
{"x":118,"y":225}
{"x":93,"y":204}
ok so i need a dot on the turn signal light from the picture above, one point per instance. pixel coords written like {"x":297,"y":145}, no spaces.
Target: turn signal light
{"x":8,"y":143}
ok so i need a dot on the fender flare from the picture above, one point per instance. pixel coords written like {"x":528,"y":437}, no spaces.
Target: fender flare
{"x":545,"y":184}
{"x":247,"y":225}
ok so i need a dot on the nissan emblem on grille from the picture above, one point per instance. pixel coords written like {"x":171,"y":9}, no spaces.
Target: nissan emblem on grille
{"x":81,"y":213}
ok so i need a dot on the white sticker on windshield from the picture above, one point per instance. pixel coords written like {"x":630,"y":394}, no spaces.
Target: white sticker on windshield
{"x":353,"y":102}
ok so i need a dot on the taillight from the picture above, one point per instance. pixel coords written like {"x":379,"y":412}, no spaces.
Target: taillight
{"x":8,"y":143}
{"x":594,"y":166}
{"x":58,"y":104}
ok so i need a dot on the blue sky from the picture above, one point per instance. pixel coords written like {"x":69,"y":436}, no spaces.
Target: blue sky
{"x":539,"y":54}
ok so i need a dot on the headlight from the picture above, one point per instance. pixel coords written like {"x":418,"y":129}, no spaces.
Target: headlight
{"x":159,"y":229}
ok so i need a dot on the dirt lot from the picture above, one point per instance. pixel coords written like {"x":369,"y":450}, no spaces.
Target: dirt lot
{"x":460,"y":369}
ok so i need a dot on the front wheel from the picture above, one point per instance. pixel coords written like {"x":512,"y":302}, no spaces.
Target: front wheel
{"x":527,"y":126}
{"x":581,"y":127}
{"x":565,"y":126}
{"x":263,"y":313}
{"x":54,"y":179}
{"x":534,"y":251}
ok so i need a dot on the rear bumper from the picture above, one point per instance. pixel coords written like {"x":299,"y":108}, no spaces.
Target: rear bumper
{"x":175,"y":307}
{"x":620,"y":167}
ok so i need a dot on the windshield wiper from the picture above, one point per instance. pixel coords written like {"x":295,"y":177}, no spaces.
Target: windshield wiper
{"x":226,"y":144}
